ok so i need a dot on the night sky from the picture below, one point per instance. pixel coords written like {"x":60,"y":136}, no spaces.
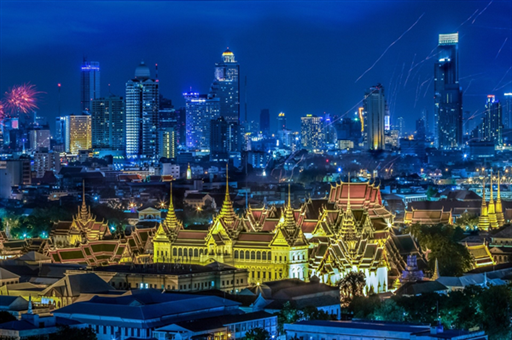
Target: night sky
{"x":299,"y":57}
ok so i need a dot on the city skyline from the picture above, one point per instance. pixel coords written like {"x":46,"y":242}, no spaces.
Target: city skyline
{"x":280,"y":58}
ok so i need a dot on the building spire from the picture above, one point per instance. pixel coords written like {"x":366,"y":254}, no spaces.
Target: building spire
{"x":491,"y":210}
{"x":227,"y":213}
{"x":84,"y":214}
{"x":483,"y":220}
{"x":289,"y":197}
{"x":499,"y":206}
{"x":171,"y":221}
{"x":436,"y":271}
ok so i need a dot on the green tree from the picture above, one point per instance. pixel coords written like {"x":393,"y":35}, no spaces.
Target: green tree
{"x":351,"y":285}
{"x":257,"y":334}
{"x":495,"y":311}
{"x":389,"y":310}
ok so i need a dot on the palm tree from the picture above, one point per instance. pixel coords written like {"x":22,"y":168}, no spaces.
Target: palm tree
{"x":351,"y":285}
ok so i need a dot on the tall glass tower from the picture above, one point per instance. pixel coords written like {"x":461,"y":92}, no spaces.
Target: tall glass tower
{"x":200,"y":110}
{"x":374,"y":116}
{"x":141,"y":116}
{"x":491,"y":129}
{"x":448,"y":93}
{"x":226,"y":87}
{"x":108,"y":123}
{"x":90,"y":84}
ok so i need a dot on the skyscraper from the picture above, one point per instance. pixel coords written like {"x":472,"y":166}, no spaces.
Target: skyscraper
{"x":200,"y":110}
{"x":265,"y":122}
{"x":90,"y":83}
{"x":60,"y":128}
{"x":168,"y":142}
{"x":226,"y":87}
{"x":224,"y":139}
{"x":311,"y":132}
{"x":400,"y":127}
{"x":107,"y":115}
{"x":142,"y":122}
{"x":78,"y":134}
{"x":448,"y":93}
{"x":492,"y":126}
{"x":507,"y":110}
{"x":374,"y":111}
{"x":281,"y":121}
{"x":420,"y":129}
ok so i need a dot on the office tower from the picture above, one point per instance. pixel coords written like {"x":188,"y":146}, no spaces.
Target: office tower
{"x":329,"y":132}
{"x":141,"y":116}
{"x":374,"y":111}
{"x":506,"y":108}
{"x":90,"y":83}
{"x":60,"y":128}
{"x":107,"y":115}
{"x":420,"y":129}
{"x":311,"y":133}
{"x":226,"y":87}
{"x":400,"y":126}
{"x":448,"y":93}
{"x":168,"y":142}
{"x":200,"y":110}
{"x":281,"y":121}
{"x":38,"y":139}
{"x":224,"y":139}
{"x":78,"y":134}
{"x":265,"y":122}
{"x":492,"y":126}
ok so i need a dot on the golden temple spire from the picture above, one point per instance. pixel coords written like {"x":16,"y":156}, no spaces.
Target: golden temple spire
{"x":171,"y":221}
{"x":289,"y":197}
{"x":499,"y":207}
{"x":483,"y":220}
{"x":227,"y":213}
{"x":84,"y":213}
{"x":491,"y":210}
{"x":436,"y":271}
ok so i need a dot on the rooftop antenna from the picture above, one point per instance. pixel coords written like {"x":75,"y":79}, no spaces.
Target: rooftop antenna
{"x":58,"y":86}
{"x":245,"y":98}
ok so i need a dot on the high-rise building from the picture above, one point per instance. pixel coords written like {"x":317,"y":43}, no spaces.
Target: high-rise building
{"x":400,"y":127}
{"x":78,"y":134}
{"x":226,"y":87}
{"x":311,"y":133}
{"x":60,"y":128}
{"x":492,"y":126}
{"x":448,"y":93}
{"x":107,"y":115}
{"x":224,"y":139}
{"x":281,"y":121}
{"x":142,"y":123}
{"x":265,"y":122}
{"x":90,"y":83}
{"x":168,"y":142}
{"x":506,"y":107}
{"x":45,"y":160}
{"x":38,"y":139}
{"x":374,"y":111}
{"x":200,"y":110}
{"x":421,"y":130}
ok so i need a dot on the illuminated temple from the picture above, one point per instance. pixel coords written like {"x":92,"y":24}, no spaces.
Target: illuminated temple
{"x":349,"y":230}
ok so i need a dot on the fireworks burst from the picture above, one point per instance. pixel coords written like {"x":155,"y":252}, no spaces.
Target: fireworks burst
{"x":21,"y":98}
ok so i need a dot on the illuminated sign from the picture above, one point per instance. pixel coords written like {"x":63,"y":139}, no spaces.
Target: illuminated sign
{"x":448,"y":39}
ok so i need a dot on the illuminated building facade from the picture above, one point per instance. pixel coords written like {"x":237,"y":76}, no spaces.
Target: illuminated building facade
{"x":107,"y":115}
{"x":326,"y":238}
{"x":448,"y":93}
{"x":491,"y":129}
{"x":90,"y":84}
{"x":60,"y":129}
{"x":142,"y":121}
{"x":39,"y":139}
{"x":281,"y":121}
{"x":311,"y":133}
{"x":226,"y":87}
{"x":507,"y":110}
{"x":374,"y":113}
{"x":201,"y":109}
{"x":168,"y":142}
{"x":78,"y":134}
